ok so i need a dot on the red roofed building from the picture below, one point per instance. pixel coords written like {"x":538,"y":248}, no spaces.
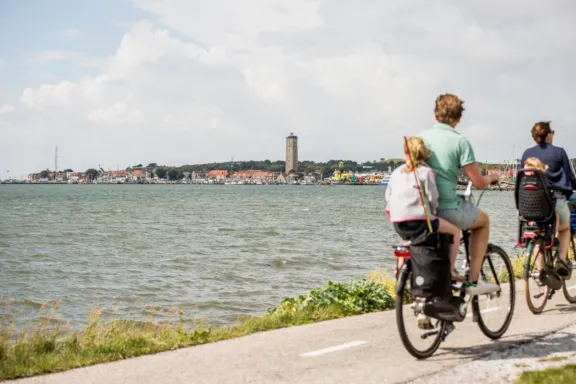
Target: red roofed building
{"x":120,"y":173}
{"x":217,"y":174}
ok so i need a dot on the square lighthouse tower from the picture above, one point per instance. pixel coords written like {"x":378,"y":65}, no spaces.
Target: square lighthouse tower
{"x":291,"y":153}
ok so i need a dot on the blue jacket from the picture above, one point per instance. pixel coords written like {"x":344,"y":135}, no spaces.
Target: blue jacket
{"x":560,"y":174}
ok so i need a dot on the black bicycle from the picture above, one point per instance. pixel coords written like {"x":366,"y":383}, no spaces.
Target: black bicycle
{"x":540,"y":284}
{"x":496,"y":269}
{"x":537,"y":235}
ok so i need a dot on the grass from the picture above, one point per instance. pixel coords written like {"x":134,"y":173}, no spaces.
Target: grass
{"x":566,"y":374}
{"x":47,"y":345}
{"x":553,"y":359}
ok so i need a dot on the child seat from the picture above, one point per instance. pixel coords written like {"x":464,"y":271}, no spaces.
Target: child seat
{"x":535,"y":203}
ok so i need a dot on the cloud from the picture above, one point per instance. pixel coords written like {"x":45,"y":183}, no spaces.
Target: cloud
{"x":350,"y":80}
{"x":46,"y":56}
{"x":5,"y":109}
{"x":70,"y":33}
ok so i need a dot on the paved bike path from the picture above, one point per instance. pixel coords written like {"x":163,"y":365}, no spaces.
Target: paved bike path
{"x":360,"y":349}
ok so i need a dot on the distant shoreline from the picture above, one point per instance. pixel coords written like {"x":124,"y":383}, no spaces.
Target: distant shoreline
{"x":458,"y":187}
{"x":208,"y":184}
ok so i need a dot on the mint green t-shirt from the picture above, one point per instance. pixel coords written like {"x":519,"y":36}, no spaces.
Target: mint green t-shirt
{"x":450,"y":152}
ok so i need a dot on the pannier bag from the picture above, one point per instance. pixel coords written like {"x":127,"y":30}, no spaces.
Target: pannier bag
{"x":430,"y":259}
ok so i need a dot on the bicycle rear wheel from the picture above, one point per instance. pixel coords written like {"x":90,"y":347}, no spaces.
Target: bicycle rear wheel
{"x":569,"y":286}
{"x":419,"y":343}
{"x":494,"y":311}
{"x":535,"y":291}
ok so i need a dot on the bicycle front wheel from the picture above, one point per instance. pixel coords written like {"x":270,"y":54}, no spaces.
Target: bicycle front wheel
{"x":569,"y":286}
{"x":494,"y":311}
{"x":419,"y":343}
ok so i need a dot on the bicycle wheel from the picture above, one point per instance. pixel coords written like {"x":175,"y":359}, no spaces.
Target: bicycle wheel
{"x":569,"y":286}
{"x":415,"y":342}
{"x":535,"y":291}
{"x":494,"y":311}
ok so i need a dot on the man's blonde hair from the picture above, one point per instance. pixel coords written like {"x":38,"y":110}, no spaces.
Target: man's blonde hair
{"x":535,"y":163}
{"x":448,"y":109}
{"x":418,"y":150}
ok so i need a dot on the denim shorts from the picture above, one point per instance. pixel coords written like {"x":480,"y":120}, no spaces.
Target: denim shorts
{"x":562,"y":210}
{"x":462,"y":217}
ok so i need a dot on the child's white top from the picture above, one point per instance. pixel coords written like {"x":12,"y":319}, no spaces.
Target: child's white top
{"x":403,"y":198}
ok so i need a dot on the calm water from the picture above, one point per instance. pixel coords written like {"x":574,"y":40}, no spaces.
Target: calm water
{"x":215,"y":251}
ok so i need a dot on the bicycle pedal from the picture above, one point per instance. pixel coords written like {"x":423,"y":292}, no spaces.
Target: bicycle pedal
{"x":450,"y":327}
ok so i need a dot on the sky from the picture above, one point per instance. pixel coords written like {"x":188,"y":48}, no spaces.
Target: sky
{"x":117,"y":82}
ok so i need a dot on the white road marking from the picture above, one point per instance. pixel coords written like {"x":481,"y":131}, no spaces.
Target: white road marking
{"x":335,"y":348}
{"x":493,"y":309}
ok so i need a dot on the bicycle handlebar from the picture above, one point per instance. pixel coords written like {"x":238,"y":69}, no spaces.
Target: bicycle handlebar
{"x":468,"y":192}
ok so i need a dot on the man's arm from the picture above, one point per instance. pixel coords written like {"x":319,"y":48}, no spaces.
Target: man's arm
{"x":475,"y":175}
{"x":471,"y":167}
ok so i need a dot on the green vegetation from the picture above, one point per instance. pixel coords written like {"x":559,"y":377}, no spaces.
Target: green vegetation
{"x":47,"y":345}
{"x":566,"y":374}
{"x":91,"y":173}
{"x":326,"y":168}
{"x":554,"y":359}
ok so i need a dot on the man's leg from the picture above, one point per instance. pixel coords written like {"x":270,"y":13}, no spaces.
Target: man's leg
{"x":447,"y":227}
{"x":564,"y":238}
{"x":478,"y":244}
{"x":563,"y":226}
{"x":467,"y":215}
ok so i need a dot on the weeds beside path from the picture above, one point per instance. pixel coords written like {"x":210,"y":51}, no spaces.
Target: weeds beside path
{"x":47,"y":346}
{"x":566,"y":374}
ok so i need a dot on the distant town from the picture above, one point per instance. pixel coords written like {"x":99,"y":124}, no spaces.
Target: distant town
{"x":240,"y":172}
{"x":290,"y":171}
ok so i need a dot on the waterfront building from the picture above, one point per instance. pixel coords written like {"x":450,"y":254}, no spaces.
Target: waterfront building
{"x":217,"y":174}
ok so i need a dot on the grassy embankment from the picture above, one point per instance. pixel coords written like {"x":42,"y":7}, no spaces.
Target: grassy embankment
{"x":47,"y":346}
{"x":566,"y":374}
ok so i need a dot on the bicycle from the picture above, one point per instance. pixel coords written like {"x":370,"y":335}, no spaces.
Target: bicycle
{"x":548,"y":280}
{"x":454,"y":308}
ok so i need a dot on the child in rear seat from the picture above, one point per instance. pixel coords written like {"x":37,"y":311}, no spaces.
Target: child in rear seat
{"x":404,"y":207}
{"x":535,"y":163}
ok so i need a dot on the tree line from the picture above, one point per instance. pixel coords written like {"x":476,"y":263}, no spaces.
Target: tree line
{"x":305,"y":167}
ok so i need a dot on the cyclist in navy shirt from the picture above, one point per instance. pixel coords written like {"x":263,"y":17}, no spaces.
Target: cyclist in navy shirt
{"x":561,"y":180}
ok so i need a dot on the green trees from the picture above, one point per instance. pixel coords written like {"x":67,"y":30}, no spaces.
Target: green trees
{"x":161,"y":173}
{"x":91,"y":173}
{"x":173,"y":174}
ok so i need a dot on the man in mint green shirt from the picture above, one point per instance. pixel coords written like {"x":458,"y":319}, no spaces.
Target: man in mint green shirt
{"x":451,"y":152}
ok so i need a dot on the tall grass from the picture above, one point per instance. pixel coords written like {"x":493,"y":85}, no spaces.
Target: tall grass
{"x":49,"y":345}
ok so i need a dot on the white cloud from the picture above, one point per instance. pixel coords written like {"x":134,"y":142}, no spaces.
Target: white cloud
{"x":120,"y":112}
{"x":349,"y":79}
{"x":70,"y":33}
{"x":47,"y":95}
{"x":44,"y":56}
{"x":5,"y":109}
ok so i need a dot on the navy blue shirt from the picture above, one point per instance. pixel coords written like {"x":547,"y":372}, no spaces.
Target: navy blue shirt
{"x":560,"y":175}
